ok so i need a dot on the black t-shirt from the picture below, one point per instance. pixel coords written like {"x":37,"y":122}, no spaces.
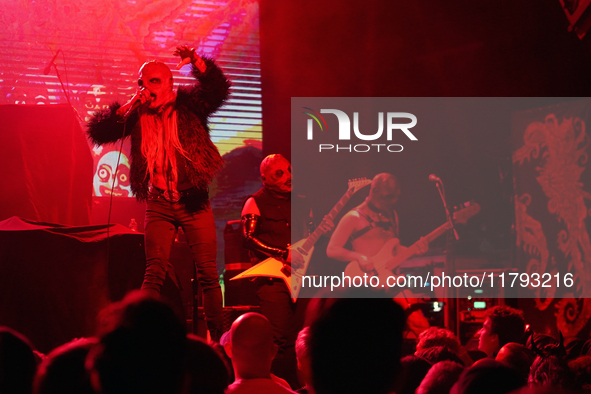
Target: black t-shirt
{"x":276,"y":224}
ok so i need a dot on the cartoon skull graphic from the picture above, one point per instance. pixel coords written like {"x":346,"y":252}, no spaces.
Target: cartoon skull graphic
{"x":105,"y":171}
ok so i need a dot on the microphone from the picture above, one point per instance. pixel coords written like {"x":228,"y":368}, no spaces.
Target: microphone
{"x":48,"y":67}
{"x":434,"y":178}
{"x":132,"y":108}
{"x":137,"y":103}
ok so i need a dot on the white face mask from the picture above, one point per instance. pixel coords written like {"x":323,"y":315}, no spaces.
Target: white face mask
{"x":276,"y":175}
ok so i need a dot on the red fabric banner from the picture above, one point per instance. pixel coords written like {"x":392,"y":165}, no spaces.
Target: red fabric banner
{"x":47,"y":165}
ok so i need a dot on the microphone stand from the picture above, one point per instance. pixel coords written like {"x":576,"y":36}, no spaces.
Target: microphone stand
{"x":61,"y":83}
{"x":451,"y":315}
{"x":59,"y":77}
{"x":441,"y":190}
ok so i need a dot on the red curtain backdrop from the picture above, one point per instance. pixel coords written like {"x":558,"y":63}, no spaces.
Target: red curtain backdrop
{"x":47,"y":165}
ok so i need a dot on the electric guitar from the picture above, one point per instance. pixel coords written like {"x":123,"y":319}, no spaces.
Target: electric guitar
{"x":385,"y":260}
{"x":276,"y":268}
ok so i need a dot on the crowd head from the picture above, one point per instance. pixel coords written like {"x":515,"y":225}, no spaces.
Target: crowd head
{"x":352,"y":345}
{"x":355,"y":346}
{"x":302,"y":348}
{"x":516,"y":356}
{"x":17,"y":362}
{"x":440,"y":378}
{"x":436,"y":336}
{"x":251,"y":346}
{"x":488,"y":376}
{"x":64,"y":369}
{"x":502,"y":325}
{"x":207,"y":372}
{"x":143,"y":350}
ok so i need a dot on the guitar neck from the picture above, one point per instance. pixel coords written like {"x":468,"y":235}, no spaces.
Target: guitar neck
{"x":436,"y":233}
{"x":412,"y":250}
{"x":312,"y":238}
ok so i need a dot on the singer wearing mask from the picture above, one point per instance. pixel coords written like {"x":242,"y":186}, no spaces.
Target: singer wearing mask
{"x":172,"y":163}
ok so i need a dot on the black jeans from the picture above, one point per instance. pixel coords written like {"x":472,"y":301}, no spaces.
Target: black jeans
{"x":276,"y":305}
{"x":287,"y":319}
{"x":194,"y":215}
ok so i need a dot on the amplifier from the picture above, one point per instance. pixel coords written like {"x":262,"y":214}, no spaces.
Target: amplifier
{"x":237,"y":260}
{"x":472,"y":310}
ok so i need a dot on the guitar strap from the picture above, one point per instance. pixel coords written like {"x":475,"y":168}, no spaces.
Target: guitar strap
{"x":373,"y":224}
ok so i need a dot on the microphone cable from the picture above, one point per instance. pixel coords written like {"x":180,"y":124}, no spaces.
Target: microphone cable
{"x":111,"y":201}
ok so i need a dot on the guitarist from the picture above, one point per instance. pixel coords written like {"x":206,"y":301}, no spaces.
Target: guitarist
{"x":364,"y":230}
{"x":267,"y":229}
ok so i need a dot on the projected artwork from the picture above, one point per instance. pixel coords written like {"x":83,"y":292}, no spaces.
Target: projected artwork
{"x":106,"y":180}
{"x":102,"y":45}
{"x":552,"y":215}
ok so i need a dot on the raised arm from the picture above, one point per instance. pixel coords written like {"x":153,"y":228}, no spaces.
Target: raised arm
{"x":213,"y":88}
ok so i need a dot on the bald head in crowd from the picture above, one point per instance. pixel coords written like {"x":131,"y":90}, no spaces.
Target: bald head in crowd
{"x":251,"y":346}
{"x":516,"y":356}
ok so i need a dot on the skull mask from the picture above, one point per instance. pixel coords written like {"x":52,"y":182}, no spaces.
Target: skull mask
{"x":157,"y":79}
{"x":276,"y":174}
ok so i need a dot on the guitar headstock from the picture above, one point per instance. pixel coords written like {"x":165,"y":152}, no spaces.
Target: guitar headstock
{"x":466,"y":211}
{"x":358,"y":183}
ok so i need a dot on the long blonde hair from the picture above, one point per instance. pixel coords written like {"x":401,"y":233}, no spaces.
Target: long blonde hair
{"x":160,"y":139}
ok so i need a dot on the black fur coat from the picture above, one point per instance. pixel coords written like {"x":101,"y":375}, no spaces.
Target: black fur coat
{"x":194,"y":105}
